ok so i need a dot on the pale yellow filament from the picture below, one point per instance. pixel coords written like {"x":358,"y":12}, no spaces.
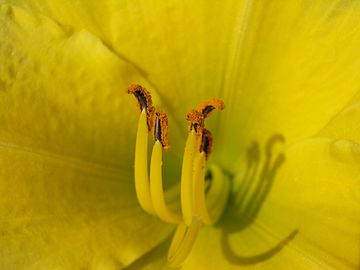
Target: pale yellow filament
{"x":199,"y":189}
{"x":187,"y":178}
{"x":141,"y":168}
{"x":177,"y":239}
{"x":218,"y":194}
{"x":156,"y":187}
{"x":182,"y":243}
{"x":209,"y":207}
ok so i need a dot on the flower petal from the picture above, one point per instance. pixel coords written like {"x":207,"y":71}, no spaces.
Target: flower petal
{"x":85,"y":115}
{"x":308,"y":219}
{"x":294,"y":70}
{"x":66,"y":162}
{"x":345,"y":124}
{"x":302,"y":212}
{"x":155,"y":259}
{"x":180,"y":47}
{"x":60,"y":214}
{"x":277,"y":65}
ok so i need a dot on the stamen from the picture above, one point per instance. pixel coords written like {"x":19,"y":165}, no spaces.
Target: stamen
{"x":161,"y":129}
{"x":207,"y":106}
{"x":182,"y":243}
{"x":208,"y":202}
{"x":201,"y":203}
{"x":204,"y":140}
{"x":156,"y":187}
{"x":141,"y":168}
{"x":187,"y":178}
{"x":144,"y":101}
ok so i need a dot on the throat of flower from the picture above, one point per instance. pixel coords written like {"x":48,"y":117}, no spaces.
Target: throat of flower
{"x":202,"y":199}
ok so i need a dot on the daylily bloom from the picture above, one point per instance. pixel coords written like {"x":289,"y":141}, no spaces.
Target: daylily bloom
{"x":288,"y":139}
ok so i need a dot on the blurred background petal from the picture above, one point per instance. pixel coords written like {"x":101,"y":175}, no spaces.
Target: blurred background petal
{"x":66,"y":151}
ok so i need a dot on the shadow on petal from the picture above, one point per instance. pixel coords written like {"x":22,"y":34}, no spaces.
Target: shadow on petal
{"x":235,"y":258}
{"x":248,"y":198}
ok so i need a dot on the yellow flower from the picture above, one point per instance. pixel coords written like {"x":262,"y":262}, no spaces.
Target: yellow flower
{"x":288,"y":73}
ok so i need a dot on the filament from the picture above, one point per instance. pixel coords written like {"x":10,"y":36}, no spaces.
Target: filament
{"x":209,"y":206}
{"x":199,"y":189}
{"x":218,"y":194}
{"x":141,"y":165}
{"x":156,"y":187}
{"x":182,"y":243}
{"x":187,"y":178}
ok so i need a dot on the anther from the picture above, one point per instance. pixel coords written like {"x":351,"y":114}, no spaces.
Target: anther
{"x":207,"y":106}
{"x":196,"y":121}
{"x":161,"y":129}
{"x":196,"y":124}
{"x":144,"y":101}
{"x":206,"y":142}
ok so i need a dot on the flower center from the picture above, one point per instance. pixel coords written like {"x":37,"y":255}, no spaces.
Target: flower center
{"x":202,"y":197}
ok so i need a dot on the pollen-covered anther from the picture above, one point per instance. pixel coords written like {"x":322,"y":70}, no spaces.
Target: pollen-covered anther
{"x":207,"y":106}
{"x":207,"y":141}
{"x":161,"y":129}
{"x":143,"y":97}
{"x":196,"y":121}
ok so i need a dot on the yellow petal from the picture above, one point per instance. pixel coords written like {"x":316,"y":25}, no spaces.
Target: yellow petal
{"x":303,"y":211}
{"x":59,"y":215}
{"x":296,"y":67}
{"x":155,"y":259}
{"x":345,"y":124}
{"x":308,"y":219}
{"x":182,"y":48}
{"x":66,"y":176}
{"x":277,"y":65}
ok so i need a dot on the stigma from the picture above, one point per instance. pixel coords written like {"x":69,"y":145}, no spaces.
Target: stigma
{"x":199,"y":204}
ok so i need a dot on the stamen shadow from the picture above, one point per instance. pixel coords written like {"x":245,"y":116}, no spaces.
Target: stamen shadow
{"x":243,"y":209}
{"x":235,"y":258}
